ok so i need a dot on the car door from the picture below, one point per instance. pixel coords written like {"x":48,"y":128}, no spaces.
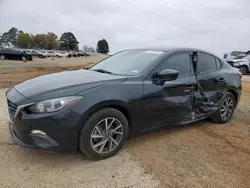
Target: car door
{"x":211,"y":79}
{"x":171,"y":102}
{"x":13,"y":54}
{"x":34,"y":53}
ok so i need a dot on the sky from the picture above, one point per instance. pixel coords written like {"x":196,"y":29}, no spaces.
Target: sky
{"x":214,"y":25}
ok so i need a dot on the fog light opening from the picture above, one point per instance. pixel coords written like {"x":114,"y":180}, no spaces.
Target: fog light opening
{"x":38,"y":132}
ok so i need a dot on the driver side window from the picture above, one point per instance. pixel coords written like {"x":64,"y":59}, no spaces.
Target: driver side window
{"x":180,"y":62}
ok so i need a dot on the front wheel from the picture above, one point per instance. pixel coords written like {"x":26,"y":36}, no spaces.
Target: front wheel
{"x":225,"y":108}
{"x":104,"y":134}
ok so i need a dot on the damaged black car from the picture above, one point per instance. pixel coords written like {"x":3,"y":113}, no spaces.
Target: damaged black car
{"x":132,"y":92}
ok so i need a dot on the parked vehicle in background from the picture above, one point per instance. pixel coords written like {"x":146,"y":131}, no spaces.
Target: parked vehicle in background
{"x":36,"y":53}
{"x":61,"y":54}
{"x":75,"y":54}
{"x":125,"y":95}
{"x":85,"y":54}
{"x":242,"y":63}
{"x":234,"y":54}
{"x":51,"y":53}
{"x":13,"y":54}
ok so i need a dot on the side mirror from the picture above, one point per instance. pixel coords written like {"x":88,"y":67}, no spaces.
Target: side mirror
{"x":166,"y":75}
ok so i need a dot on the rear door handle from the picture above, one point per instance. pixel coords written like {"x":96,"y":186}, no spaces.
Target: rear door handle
{"x":221,"y":80}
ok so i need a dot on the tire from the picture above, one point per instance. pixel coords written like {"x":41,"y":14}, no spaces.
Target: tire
{"x":2,"y":57}
{"x":244,"y":69}
{"x":218,"y":115}
{"x":87,"y":144}
{"x":24,"y":58}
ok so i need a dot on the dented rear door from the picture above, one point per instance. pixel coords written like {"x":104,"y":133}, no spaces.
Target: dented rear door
{"x":210,"y":79}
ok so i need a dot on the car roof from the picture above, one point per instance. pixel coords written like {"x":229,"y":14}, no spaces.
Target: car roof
{"x":175,"y":49}
{"x":167,"y":49}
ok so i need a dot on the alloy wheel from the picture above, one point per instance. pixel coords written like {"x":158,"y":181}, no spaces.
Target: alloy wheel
{"x":227,"y":108}
{"x":106,"y":135}
{"x":243,"y":70}
{"x":2,"y":57}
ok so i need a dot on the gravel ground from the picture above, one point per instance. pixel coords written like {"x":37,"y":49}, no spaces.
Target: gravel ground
{"x":202,"y":154}
{"x":246,"y":78}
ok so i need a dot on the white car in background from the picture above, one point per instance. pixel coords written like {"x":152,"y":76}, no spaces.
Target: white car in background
{"x":51,"y":53}
{"x":232,"y":55}
{"x":242,"y":63}
{"x":61,"y":54}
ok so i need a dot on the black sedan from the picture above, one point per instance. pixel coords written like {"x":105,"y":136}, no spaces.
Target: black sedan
{"x":13,"y":54}
{"x":127,"y":94}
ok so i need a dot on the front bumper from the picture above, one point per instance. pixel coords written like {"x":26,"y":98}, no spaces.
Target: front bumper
{"x":41,"y":141}
{"x":59,"y":130}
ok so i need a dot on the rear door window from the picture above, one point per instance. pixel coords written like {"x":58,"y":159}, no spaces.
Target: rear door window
{"x":206,"y":63}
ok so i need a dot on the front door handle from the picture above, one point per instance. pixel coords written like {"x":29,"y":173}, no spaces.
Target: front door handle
{"x":188,"y":89}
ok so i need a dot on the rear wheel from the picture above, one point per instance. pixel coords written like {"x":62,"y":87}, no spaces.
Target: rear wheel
{"x":2,"y":57}
{"x":225,"y":109}
{"x":104,"y":134}
{"x":244,"y":69}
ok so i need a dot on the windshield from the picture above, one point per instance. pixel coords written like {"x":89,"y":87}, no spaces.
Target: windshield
{"x":239,"y":57}
{"x":130,"y":62}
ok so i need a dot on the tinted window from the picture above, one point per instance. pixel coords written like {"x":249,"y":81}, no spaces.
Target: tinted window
{"x":206,"y":63}
{"x":179,"y":62}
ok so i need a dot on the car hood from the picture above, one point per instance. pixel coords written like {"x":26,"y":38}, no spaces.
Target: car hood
{"x":64,"y":84}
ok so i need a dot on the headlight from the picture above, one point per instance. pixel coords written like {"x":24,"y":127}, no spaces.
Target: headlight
{"x":53,"y":105}
{"x":236,"y":64}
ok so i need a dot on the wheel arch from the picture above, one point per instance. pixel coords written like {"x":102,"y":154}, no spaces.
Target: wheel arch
{"x":234,"y":94}
{"x":245,"y":66}
{"x":116,"y":104}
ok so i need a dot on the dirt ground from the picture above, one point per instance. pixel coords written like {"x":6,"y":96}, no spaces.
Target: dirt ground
{"x":13,"y":72}
{"x":202,"y":154}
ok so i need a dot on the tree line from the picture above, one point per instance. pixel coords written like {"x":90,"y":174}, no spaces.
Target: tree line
{"x":50,"y":41}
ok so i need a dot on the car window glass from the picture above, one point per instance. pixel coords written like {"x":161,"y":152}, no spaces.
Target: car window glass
{"x":179,"y":62}
{"x":129,"y":62}
{"x":218,"y":63}
{"x":206,"y":63}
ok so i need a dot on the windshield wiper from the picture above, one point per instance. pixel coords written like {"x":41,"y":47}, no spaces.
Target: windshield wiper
{"x":103,"y":71}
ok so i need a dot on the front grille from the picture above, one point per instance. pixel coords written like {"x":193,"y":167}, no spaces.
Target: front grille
{"x":12,"y":110}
